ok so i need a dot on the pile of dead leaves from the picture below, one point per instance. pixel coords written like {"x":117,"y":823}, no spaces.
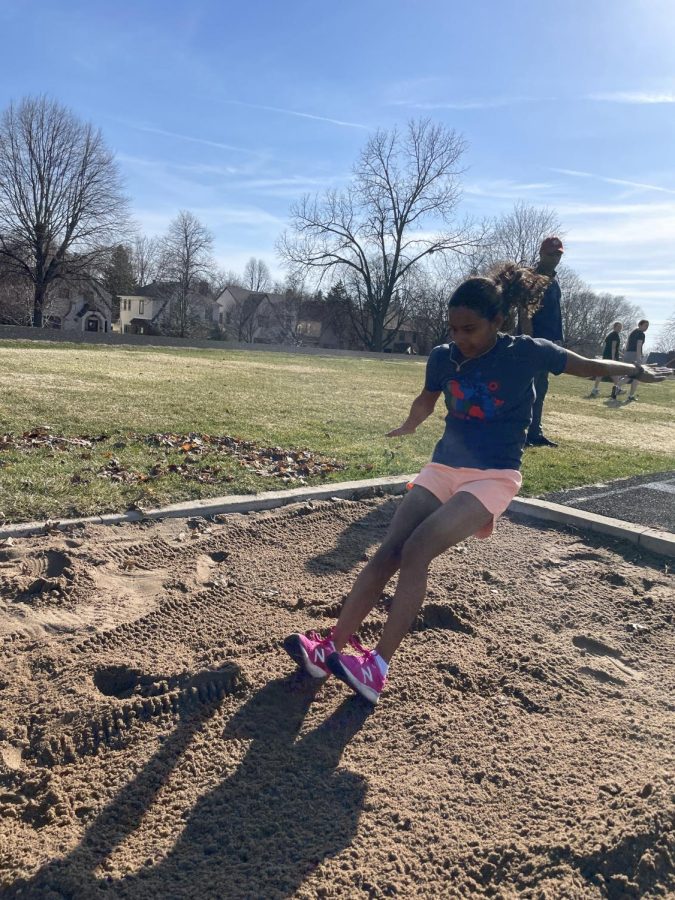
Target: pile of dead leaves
{"x":270,"y":462}
{"x":43,"y":437}
{"x":289,"y":466}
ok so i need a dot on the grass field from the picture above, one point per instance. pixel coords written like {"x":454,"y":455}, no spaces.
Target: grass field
{"x":337,"y":407}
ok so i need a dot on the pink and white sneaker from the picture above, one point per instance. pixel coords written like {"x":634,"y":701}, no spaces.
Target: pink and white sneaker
{"x":310,"y":651}
{"x":360,"y":672}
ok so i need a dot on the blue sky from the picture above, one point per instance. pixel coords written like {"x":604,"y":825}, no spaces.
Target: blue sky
{"x":234,"y":110}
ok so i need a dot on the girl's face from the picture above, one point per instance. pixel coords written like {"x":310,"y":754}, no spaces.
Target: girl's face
{"x":473,"y":334}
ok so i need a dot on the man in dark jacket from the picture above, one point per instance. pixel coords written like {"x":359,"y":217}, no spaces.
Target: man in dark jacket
{"x":545,"y":323}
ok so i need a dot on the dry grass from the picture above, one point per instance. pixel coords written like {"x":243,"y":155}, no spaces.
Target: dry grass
{"x":340,"y":407}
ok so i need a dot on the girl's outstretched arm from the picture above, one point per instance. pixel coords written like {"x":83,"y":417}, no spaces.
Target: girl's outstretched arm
{"x":422,"y":407}
{"x":596,"y":368}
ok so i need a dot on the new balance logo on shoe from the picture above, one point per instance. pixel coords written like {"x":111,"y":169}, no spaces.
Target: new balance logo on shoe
{"x":310,"y":651}
{"x":360,"y":672}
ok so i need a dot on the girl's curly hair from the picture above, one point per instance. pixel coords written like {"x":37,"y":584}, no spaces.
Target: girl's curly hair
{"x":509,"y":290}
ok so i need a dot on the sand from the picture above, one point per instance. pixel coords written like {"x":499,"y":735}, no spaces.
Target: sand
{"x":155,"y":740}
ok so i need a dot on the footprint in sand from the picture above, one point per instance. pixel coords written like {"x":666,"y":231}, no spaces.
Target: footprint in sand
{"x":39,"y":573}
{"x":206,"y":569}
{"x":609,"y":654}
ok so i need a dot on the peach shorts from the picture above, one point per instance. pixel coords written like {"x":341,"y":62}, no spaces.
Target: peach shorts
{"x":495,"y":488}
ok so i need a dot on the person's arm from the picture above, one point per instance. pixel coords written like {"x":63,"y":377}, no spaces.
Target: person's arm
{"x":594,"y":368}
{"x":422,"y":407}
{"x":638,"y":349}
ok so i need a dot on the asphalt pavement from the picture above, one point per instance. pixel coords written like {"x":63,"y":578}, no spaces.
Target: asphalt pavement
{"x":644,"y":500}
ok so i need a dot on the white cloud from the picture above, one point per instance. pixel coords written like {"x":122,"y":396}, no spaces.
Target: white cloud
{"x":574,"y":173}
{"x":215,"y":217}
{"x":301,"y":115}
{"x":639,"y":97}
{"x":506,"y":189}
{"x":477,"y":103}
{"x":194,"y":182}
{"x":150,"y":129}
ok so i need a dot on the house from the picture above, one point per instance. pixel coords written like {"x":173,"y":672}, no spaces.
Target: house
{"x":656,"y":358}
{"x":141,"y":314}
{"x":404,"y":339}
{"x":152,"y":309}
{"x":78,"y":305}
{"x":263,"y":317}
{"x":325,"y":323}
{"x":255,"y":317}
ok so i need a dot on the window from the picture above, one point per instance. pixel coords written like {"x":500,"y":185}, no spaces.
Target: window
{"x":228,"y":318}
{"x":141,"y":307}
{"x":309,"y":328}
{"x":263,"y":321}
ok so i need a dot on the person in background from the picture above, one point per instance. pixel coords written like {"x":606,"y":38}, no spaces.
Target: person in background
{"x":633,"y":354}
{"x":611,"y":350}
{"x":545,"y":323}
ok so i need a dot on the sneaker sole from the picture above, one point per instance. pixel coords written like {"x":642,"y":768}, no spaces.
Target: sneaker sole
{"x":298,"y":654}
{"x":345,"y":675}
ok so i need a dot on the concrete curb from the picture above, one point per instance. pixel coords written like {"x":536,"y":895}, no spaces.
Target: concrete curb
{"x":648,"y":539}
{"x":660,"y":542}
{"x":223,"y":505}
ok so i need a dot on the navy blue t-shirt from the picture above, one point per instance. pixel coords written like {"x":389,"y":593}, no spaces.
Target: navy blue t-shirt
{"x":547,"y":321}
{"x":489,"y":399}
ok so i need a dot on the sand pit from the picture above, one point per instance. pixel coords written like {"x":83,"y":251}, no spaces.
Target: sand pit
{"x":155,"y":742}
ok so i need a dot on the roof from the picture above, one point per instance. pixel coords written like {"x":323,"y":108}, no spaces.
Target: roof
{"x":244,"y":295}
{"x":157,"y":290}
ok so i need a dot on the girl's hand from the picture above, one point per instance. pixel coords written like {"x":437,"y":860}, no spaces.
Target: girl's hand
{"x":652,"y":374}
{"x":401,"y":430}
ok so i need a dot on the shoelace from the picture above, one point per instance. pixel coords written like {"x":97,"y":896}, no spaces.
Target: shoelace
{"x":367,"y":656}
{"x":354,"y":642}
{"x":315,"y":636}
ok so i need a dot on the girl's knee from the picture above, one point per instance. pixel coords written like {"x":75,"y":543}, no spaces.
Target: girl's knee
{"x":414,"y":553}
{"x":388,"y":555}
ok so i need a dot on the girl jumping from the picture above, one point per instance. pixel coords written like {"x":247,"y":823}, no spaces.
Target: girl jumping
{"x":486,"y":377}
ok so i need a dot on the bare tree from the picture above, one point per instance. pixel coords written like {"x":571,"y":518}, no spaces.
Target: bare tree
{"x":145,"y":259}
{"x":16,"y":301}
{"x":256,"y":275}
{"x":517,"y":236}
{"x":224,"y":278}
{"x":243,"y":317}
{"x":61,"y":200}
{"x":587,"y":315}
{"x":186,"y":263}
{"x":371,"y":235}
{"x":665,"y":342}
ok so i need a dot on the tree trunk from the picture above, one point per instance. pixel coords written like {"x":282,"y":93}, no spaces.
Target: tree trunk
{"x":38,"y":305}
{"x":378,"y":334}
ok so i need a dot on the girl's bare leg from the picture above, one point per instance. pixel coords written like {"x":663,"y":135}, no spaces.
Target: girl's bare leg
{"x":456,"y":520}
{"x":417,"y":505}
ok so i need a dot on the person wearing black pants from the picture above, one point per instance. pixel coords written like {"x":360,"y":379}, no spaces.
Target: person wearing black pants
{"x":545,"y":323}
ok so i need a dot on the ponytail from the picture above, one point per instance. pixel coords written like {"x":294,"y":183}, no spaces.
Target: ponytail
{"x":509,"y":290}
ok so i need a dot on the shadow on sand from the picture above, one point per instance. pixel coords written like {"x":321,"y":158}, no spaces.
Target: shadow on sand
{"x":355,"y":540}
{"x":260,"y":833}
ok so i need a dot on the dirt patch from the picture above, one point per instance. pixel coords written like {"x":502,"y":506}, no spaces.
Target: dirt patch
{"x":155,"y":741}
